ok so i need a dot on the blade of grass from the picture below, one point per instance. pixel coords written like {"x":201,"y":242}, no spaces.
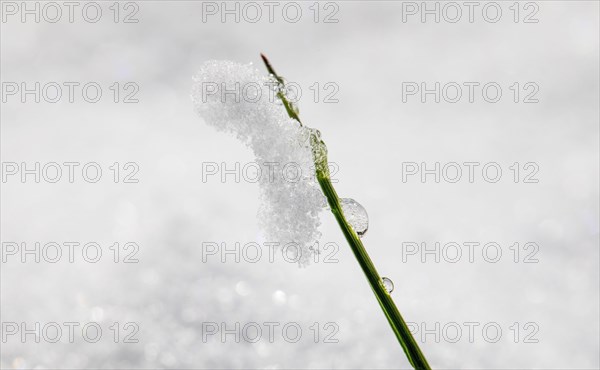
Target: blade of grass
{"x":397,"y":323}
{"x":286,"y":103}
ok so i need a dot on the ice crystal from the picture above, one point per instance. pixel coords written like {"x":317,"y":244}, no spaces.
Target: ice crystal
{"x":238,"y":99}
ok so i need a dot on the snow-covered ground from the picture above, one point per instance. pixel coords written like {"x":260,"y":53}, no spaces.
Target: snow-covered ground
{"x":185,"y":302}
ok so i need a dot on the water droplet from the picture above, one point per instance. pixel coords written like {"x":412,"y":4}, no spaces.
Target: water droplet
{"x":388,"y":284}
{"x":356,"y":215}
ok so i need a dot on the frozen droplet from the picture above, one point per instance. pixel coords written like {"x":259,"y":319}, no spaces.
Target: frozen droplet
{"x":356,"y":215}
{"x":388,"y":284}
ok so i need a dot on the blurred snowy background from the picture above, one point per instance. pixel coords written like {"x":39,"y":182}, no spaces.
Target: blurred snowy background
{"x":171,"y":300}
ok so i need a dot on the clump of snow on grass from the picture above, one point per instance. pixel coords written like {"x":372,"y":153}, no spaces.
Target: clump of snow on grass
{"x":291,"y":198}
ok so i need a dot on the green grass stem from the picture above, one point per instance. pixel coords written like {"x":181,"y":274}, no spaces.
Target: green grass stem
{"x":397,"y":323}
